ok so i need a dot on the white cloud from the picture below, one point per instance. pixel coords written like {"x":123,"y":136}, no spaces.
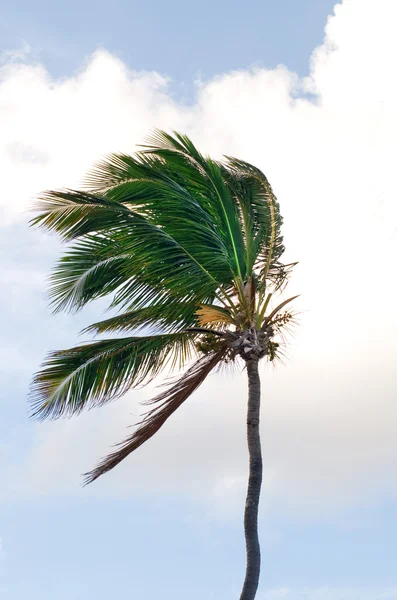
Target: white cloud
{"x":329,"y":417}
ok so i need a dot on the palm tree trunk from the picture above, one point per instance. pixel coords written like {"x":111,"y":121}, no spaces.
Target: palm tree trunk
{"x":254,"y":483}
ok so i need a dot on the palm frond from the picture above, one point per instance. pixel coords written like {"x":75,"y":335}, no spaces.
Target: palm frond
{"x":165,"y":405}
{"x":211,"y":189}
{"x":179,"y":196}
{"x":214,"y":315}
{"x":177,"y":209}
{"x":261,"y":213}
{"x":167,"y":249}
{"x":72,"y":213}
{"x":95,"y":373}
{"x":85,"y":272}
{"x":169,"y":316}
{"x":142,"y":262}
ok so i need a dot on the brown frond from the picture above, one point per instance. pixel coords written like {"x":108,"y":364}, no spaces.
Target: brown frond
{"x":166,"y":403}
{"x":209,"y":314}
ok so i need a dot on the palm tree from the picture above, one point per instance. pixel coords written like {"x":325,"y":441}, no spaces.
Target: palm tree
{"x":188,"y":248}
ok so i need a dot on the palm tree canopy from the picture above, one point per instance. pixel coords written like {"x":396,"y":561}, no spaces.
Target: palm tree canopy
{"x":185,"y":245}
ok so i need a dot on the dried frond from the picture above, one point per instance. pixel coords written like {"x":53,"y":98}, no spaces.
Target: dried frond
{"x":166,"y":404}
{"x":214,"y":315}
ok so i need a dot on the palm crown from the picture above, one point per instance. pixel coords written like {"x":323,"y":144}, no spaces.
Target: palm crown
{"x":188,"y":248}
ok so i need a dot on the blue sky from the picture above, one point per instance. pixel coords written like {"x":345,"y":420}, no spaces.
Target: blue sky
{"x":83,"y":79}
{"x":181,"y":40}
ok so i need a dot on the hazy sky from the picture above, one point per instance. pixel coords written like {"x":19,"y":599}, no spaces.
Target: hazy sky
{"x":307,"y":91}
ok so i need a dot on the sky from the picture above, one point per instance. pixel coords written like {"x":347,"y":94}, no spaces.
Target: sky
{"x":306,"y":91}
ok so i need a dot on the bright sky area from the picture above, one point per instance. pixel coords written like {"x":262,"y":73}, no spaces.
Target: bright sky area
{"x":307,"y":92}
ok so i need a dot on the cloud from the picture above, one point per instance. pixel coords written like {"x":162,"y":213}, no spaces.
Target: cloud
{"x":15,"y":55}
{"x":327,"y":145}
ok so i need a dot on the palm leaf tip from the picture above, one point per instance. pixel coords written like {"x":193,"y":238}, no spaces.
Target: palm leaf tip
{"x":166,"y":404}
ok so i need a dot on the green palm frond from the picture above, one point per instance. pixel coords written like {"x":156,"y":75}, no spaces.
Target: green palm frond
{"x":260,"y":211}
{"x":88,"y":270}
{"x":173,"y":207}
{"x":210,"y":187}
{"x":165,"y":405}
{"x":165,"y":316}
{"x":72,"y":214}
{"x":174,"y":181}
{"x":141,"y":262}
{"x":93,"y":374}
